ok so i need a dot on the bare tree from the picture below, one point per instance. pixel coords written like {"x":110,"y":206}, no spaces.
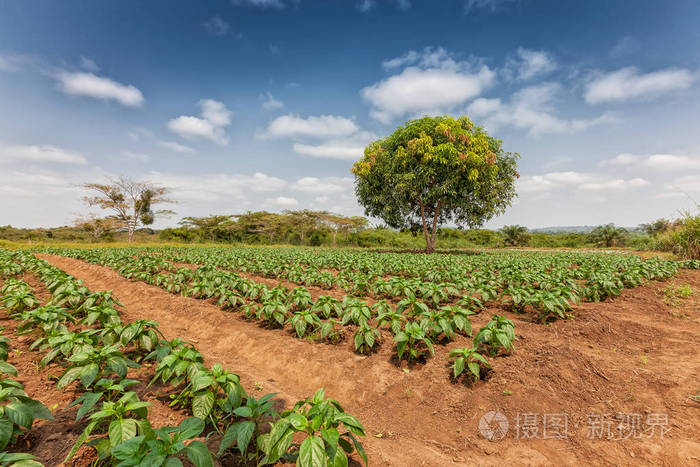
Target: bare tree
{"x":130,"y":201}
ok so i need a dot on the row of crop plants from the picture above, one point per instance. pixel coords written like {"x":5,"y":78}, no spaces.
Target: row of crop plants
{"x":548,"y":284}
{"x":414,"y":325}
{"x":82,"y":331}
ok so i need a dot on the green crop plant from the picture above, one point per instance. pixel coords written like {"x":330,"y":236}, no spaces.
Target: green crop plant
{"x":94,"y":363}
{"x":413,"y":342}
{"x":305,"y":322}
{"x":311,"y":433}
{"x":327,"y":306}
{"x":161,"y":447}
{"x":104,"y":390}
{"x":497,"y":334}
{"x":124,"y":418}
{"x":254,"y":413}
{"x":468,"y":358}
{"x":17,"y":410}
{"x":366,"y":338}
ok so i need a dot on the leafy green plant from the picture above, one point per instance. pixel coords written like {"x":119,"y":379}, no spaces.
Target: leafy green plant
{"x":163,"y":446}
{"x":328,"y":306}
{"x":17,"y":410}
{"x":393,"y":318}
{"x":497,"y":334}
{"x":176,"y":359}
{"x":242,"y":432}
{"x":124,"y":419}
{"x":317,"y":422}
{"x":468,"y":358}
{"x":105,"y":389}
{"x":332,"y":330}
{"x":18,"y":459}
{"x":96,"y":362}
{"x":305,"y":322}
{"x":365,"y":338}
{"x":413,"y":342}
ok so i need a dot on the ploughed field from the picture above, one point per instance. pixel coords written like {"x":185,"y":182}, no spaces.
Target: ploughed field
{"x":337,"y":357}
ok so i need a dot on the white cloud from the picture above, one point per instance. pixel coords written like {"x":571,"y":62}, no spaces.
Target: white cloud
{"x":215,"y":117}
{"x":531,"y":109}
{"x":41,"y":153}
{"x":89,"y":64}
{"x":99,"y":87}
{"x":416,"y":91}
{"x":584,"y":181}
{"x":283,"y":202}
{"x":685,"y":184}
{"x":620,"y":160}
{"x":657,"y":162}
{"x":349,"y":148}
{"x":261,"y":3}
{"x":529,"y":64}
{"x":628,"y":84}
{"x":432,"y":82}
{"x":330,"y":151}
{"x":217,"y":26}
{"x":323,"y":126}
{"x":482,"y":107}
{"x":269,"y":102}
{"x":11,"y":63}
{"x":492,"y":6}
{"x":137,"y":156}
{"x":364,"y":6}
{"x":616,"y":185}
{"x":217,"y":187}
{"x":177,"y":147}
{"x":322,"y":185}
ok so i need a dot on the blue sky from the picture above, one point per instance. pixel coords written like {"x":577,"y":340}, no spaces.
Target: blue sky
{"x":264,"y":104}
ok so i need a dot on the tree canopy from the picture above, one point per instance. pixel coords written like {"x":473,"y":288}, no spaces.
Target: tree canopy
{"x":436,"y":170}
{"x":130,"y":201}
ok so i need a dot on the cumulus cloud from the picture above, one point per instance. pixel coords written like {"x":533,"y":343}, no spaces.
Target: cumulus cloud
{"x":323,"y":185}
{"x":433,"y":82}
{"x":528,"y":64}
{"x":217,"y":26}
{"x":530,"y":109}
{"x":214,"y":118}
{"x":42,"y":153}
{"x":350,"y":148}
{"x":269,"y":102}
{"x":657,"y":162}
{"x":617,"y":184}
{"x":584,"y":181}
{"x":628,"y":84}
{"x":282,"y":202}
{"x":323,"y":126}
{"x":98,"y":87}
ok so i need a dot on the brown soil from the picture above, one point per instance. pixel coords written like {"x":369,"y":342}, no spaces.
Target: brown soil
{"x":629,"y":355}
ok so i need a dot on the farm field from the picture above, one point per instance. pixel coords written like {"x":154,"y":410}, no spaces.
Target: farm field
{"x":418,"y":348}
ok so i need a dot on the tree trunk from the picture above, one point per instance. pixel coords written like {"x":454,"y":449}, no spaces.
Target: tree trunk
{"x":333,"y":237}
{"x":435,"y":220}
{"x":429,"y":245}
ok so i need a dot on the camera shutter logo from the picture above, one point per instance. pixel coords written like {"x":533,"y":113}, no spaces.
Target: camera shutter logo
{"x":493,"y":426}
